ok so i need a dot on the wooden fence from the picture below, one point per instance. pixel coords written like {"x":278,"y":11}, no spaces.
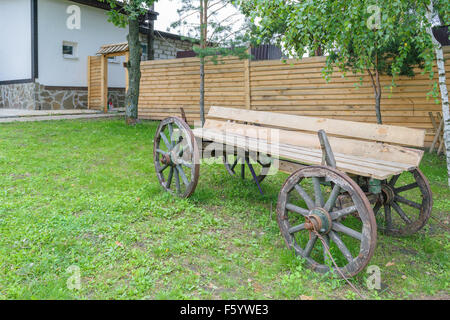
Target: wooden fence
{"x":296,"y":87}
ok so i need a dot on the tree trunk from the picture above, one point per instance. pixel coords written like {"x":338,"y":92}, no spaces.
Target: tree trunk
{"x":202,"y":90}
{"x":443,"y":89}
{"x":377,"y":93}
{"x":134,"y":71}
{"x":378,"y":107}
{"x":203,"y":41}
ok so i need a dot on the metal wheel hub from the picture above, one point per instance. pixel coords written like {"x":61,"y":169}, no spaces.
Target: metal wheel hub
{"x":318,"y":220}
{"x":387,"y":194}
{"x":166,"y":159}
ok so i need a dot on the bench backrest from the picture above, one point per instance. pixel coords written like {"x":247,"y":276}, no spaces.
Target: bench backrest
{"x":360,"y":139}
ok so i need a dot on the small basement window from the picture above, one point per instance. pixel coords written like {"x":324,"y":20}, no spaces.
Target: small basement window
{"x":69,"y":50}
{"x":113,"y":59}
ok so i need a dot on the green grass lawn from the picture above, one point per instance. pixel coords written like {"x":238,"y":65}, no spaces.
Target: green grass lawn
{"x":85,"y":194}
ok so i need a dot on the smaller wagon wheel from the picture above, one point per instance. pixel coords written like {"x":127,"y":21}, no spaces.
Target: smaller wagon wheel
{"x":176,"y":157}
{"x":405,"y":204}
{"x":259,"y":163}
{"x":308,"y":217}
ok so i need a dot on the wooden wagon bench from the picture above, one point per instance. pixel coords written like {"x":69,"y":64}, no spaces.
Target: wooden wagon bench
{"x":347,"y":179}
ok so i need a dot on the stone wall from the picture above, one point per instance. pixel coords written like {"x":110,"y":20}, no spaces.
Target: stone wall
{"x":167,"y":48}
{"x":58,"y":98}
{"x":18,"y":96}
{"x":34,"y":96}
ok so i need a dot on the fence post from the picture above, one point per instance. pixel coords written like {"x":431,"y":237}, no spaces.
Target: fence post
{"x":104,"y":79}
{"x":247,"y":84}
{"x":89,"y":82}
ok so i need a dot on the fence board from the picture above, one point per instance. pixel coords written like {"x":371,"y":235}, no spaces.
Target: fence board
{"x":296,"y":87}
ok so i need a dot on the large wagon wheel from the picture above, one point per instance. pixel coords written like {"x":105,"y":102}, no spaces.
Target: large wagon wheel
{"x":176,"y":157}
{"x":259,"y":163}
{"x":306,"y":206}
{"x":407,"y":201}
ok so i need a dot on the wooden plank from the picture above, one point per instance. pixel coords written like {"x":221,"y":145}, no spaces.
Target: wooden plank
{"x":89,"y":62}
{"x":367,"y":131}
{"x":395,"y":156}
{"x":307,"y":157}
{"x":104,"y":80}
{"x":247,"y":85}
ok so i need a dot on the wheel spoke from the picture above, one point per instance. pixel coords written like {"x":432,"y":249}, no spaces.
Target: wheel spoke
{"x":343,"y":212}
{"x":342,"y":247}
{"x":332,"y":199}
{"x":182,"y":150}
{"x":339,"y":227}
{"x":298,"y":228}
{"x":166,"y":141}
{"x":310,"y":245}
{"x":406,"y":188}
{"x":177,"y":180}
{"x":305,"y":197}
{"x":401,"y":213}
{"x":161,"y":152}
{"x":377,"y":208}
{"x":183,"y":175}
{"x":394,"y":180}
{"x":161,"y":169}
{"x":296,"y":209}
{"x":169,"y":179}
{"x":186,"y":164}
{"x":318,"y":192}
{"x":170,"y":133}
{"x":407,"y":202}
{"x":388,"y":216}
{"x":326,"y":250}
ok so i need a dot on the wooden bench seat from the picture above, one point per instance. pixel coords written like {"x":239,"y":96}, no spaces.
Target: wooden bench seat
{"x":359,"y":148}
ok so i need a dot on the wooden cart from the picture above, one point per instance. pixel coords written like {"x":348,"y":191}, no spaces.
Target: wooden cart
{"x":347,"y":179}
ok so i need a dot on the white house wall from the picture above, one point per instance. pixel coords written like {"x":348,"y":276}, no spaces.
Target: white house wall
{"x":15,"y":37}
{"x":54,"y":69}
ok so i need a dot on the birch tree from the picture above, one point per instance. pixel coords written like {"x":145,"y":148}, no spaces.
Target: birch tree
{"x":442,"y":85}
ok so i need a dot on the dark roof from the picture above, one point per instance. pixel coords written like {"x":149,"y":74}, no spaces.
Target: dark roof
{"x":442,"y":35}
{"x":151,"y":15}
{"x":161,"y":34}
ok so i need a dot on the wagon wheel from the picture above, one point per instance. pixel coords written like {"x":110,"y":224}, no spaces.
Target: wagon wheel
{"x":406,"y":201}
{"x":305,"y":206}
{"x":176,"y":157}
{"x":236,"y":165}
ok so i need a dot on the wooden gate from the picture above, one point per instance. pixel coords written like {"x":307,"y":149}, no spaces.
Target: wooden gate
{"x":97,"y":82}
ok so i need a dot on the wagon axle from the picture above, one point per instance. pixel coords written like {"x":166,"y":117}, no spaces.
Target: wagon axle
{"x":387,"y":194}
{"x":166,"y":159}
{"x":318,"y":220}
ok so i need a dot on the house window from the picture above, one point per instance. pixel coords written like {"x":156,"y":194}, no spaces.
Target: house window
{"x":69,"y":50}
{"x":144,"y":56}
